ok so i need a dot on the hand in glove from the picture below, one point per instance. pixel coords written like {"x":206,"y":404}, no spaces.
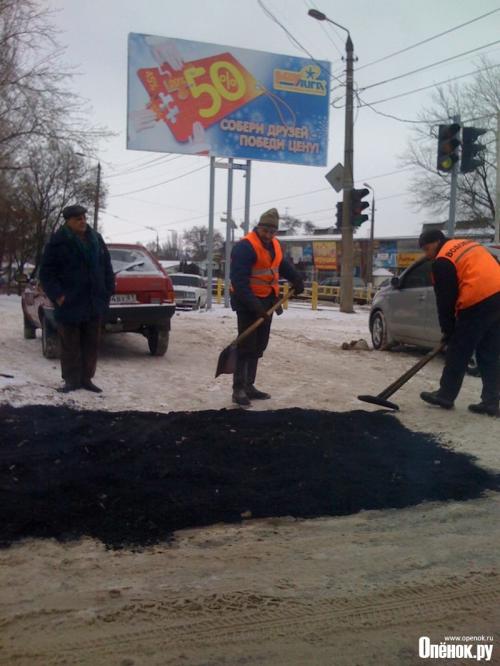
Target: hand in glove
{"x":298,"y":286}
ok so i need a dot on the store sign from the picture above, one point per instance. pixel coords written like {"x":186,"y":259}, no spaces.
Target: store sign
{"x":406,"y":259}
{"x":325,"y":255}
{"x":205,"y":99}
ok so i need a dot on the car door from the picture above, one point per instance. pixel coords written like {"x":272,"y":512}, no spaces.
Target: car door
{"x":410,"y":304}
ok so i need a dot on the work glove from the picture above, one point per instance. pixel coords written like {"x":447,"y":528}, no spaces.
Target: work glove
{"x":298,"y":286}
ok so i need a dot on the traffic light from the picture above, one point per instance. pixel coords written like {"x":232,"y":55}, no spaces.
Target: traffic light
{"x":448,"y":143}
{"x":358,"y":206}
{"x":340,"y":213}
{"x":470,"y":148}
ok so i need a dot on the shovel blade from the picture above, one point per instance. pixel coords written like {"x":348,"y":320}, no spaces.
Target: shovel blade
{"x":226,"y":364}
{"x":377,"y":400}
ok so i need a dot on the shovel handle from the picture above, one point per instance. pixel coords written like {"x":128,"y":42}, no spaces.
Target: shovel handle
{"x":395,"y":386}
{"x":259,"y":321}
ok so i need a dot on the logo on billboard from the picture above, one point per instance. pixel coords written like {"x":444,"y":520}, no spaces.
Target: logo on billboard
{"x":306,"y":81}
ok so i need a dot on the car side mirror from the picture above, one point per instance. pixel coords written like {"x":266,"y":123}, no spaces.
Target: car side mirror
{"x":395,"y":283}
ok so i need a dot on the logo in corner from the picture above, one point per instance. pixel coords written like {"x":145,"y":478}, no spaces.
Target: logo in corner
{"x":306,"y":81}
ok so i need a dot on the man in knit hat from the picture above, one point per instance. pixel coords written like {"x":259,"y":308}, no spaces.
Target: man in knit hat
{"x":257,"y":263}
{"x":467,"y":285}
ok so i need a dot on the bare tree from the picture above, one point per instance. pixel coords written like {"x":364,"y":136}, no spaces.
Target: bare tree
{"x":35,"y":196}
{"x":34,"y":98}
{"x":195,"y":242}
{"x":477,"y":104}
{"x":296,"y":225}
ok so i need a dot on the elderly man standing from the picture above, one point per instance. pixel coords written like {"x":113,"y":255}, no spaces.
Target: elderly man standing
{"x":77,"y":276}
{"x":257,"y":263}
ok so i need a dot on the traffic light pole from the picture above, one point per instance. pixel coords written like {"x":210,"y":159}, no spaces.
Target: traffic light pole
{"x":450,"y":228}
{"x":347,"y":266}
{"x":497,"y":200}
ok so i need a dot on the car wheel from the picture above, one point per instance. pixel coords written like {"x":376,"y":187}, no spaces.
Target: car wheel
{"x":158,"y":340}
{"x":29,"y":329}
{"x":51,"y":346}
{"x":379,"y":331}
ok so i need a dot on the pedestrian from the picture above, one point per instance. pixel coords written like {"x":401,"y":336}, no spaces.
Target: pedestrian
{"x":77,"y":275}
{"x":257,"y":263}
{"x":467,"y":286}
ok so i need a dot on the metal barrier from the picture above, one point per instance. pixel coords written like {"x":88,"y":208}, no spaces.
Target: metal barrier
{"x":315,"y":293}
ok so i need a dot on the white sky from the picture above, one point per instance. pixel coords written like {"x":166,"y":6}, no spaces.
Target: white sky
{"x":95,"y":33}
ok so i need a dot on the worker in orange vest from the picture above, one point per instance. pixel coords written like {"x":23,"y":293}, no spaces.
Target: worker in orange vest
{"x":257,"y":263}
{"x":467,"y":286}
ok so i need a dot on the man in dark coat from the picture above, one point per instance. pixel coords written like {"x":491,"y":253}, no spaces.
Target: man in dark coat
{"x":77,"y":275}
{"x":256,"y":264}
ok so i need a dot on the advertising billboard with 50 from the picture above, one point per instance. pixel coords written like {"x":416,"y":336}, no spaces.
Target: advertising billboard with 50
{"x":205,"y":99}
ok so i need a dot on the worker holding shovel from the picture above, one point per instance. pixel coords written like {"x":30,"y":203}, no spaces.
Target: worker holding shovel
{"x":257,"y":263}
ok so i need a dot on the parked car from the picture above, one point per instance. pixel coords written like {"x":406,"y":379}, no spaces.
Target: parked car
{"x":190,"y":290}
{"x":405,"y":311}
{"x":143,"y":302}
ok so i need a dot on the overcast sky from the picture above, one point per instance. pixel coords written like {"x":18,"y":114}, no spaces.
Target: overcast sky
{"x":95,"y":33}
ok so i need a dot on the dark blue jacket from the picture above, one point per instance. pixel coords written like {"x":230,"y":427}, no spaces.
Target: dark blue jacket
{"x":243,"y":257}
{"x":83,"y":274}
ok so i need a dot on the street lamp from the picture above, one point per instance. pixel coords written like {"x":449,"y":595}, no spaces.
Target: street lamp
{"x":346,"y":278}
{"x":372,"y":234}
{"x":97,"y":190}
{"x":157,"y":238}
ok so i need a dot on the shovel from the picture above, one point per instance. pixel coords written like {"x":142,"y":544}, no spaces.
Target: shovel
{"x":227,"y":359}
{"x":381,"y":398}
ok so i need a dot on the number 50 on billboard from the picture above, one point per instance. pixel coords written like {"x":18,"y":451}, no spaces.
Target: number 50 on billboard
{"x":205,"y":99}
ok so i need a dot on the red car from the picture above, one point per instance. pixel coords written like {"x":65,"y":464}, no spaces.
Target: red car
{"x":143,"y":302}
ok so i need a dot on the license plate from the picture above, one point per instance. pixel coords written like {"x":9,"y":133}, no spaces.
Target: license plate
{"x":123,"y":298}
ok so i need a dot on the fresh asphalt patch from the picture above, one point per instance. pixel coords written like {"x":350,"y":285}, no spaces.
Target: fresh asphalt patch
{"x":131,"y":479}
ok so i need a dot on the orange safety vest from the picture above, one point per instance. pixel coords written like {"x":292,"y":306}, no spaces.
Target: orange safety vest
{"x":264,"y":278}
{"x":478,"y":272}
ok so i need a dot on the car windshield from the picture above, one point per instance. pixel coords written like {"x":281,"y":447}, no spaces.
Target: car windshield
{"x":123,"y":257}
{"x":186,"y":280}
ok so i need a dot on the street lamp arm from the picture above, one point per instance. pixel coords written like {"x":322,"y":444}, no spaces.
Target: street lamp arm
{"x":319,"y":16}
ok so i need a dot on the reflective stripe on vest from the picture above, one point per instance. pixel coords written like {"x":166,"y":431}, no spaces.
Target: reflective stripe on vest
{"x":264,"y":278}
{"x":478,"y":272}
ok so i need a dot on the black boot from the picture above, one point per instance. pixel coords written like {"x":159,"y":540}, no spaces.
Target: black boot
{"x":435,"y":398}
{"x":485,"y":408}
{"x":239,"y":380}
{"x":251,"y":391}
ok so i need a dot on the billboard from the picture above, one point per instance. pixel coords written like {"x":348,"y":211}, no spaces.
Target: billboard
{"x":205,"y":99}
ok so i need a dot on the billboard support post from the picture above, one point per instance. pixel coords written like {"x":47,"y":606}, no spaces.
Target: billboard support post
{"x":229,"y":225}
{"x":248,"y":178}
{"x":210,"y":237}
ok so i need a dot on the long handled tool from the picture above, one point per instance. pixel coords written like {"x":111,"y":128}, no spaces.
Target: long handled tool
{"x":381,"y":398}
{"x":227,"y":359}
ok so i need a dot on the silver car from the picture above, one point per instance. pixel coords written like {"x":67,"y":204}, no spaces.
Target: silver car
{"x":405,"y":311}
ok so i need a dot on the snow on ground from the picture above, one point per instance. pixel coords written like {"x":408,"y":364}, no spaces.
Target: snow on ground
{"x":356,"y":589}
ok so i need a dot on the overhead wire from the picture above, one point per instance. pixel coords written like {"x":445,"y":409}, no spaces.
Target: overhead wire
{"x":164,"y":182}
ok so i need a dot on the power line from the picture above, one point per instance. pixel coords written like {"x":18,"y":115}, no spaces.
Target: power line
{"x":309,"y":5}
{"x":148,"y":165}
{"x":296,"y":42}
{"x":429,"y":39}
{"x":164,"y":182}
{"x":432,"y":85}
{"x":434,"y":64}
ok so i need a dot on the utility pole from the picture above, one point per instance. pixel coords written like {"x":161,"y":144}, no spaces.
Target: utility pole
{"x":97,"y":195}
{"x":347,"y":267}
{"x":497,"y":200}
{"x":450,"y":229}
